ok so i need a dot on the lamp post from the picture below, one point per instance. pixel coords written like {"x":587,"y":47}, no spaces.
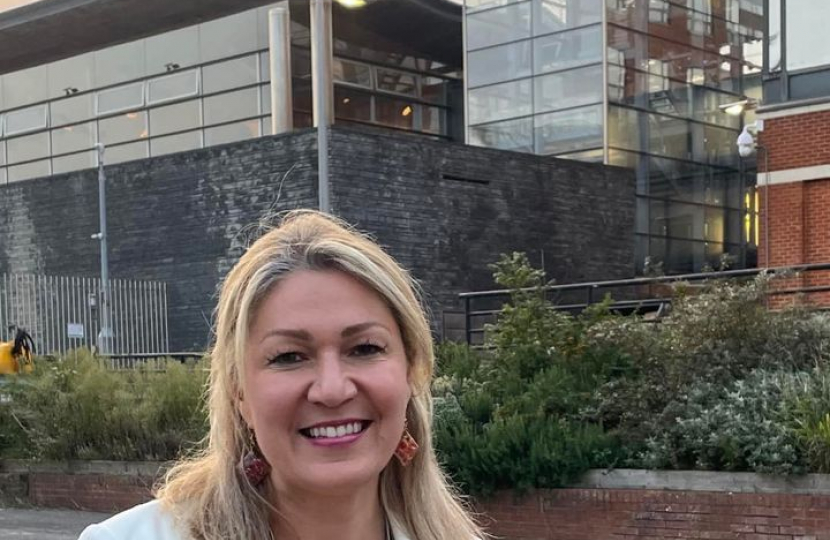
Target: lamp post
{"x":105,"y":333}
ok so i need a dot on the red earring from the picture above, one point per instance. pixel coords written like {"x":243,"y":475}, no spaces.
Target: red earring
{"x":254,"y":466}
{"x":407,"y":447}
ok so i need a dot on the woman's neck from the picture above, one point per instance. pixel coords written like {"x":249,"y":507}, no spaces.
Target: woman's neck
{"x":353,"y":516}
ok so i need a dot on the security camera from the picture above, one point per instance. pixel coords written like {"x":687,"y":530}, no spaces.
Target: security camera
{"x":746,"y":143}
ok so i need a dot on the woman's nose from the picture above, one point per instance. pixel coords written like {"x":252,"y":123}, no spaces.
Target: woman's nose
{"x":332,"y":385}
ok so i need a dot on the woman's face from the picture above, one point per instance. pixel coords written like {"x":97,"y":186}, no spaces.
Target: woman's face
{"x":326,"y":383}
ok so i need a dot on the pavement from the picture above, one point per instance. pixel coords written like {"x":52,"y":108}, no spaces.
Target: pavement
{"x":42,"y":524}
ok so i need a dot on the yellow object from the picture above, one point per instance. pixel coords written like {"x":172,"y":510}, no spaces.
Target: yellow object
{"x":11,"y":364}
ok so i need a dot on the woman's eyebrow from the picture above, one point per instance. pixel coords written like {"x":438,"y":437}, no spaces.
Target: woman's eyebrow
{"x":357,"y":328}
{"x":300,"y":335}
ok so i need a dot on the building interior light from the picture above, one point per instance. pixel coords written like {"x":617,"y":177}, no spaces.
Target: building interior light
{"x":352,"y":4}
{"x":346,"y":100}
{"x":406,"y":111}
{"x":132,"y":115}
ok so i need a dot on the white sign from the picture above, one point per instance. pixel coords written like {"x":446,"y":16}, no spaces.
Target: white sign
{"x":75,"y":331}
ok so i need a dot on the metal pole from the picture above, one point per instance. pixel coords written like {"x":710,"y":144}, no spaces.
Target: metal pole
{"x":279,"y":52}
{"x":105,"y":334}
{"x":322,"y":91}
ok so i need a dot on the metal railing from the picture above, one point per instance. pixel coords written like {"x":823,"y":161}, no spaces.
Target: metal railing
{"x":62,"y":313}
{"x":632,"y":295}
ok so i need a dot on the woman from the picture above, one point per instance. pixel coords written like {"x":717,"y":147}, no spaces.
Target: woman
{"x":320,"y":411}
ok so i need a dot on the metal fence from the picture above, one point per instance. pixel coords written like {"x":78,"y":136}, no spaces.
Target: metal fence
{"x":62,"y":313}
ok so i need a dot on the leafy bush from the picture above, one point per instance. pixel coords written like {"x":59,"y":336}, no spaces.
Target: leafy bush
{"x":78,"y":409}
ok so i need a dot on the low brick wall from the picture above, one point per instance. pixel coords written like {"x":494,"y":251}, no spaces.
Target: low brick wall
{"x":621,"y":505}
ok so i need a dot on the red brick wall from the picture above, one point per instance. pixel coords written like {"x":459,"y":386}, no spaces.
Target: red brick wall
{"x":796,"y":141}
{"x":95,"y":492}
{"x":618,"y":514}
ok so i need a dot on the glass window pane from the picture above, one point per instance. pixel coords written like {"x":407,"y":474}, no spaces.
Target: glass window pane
{"x":119,"y":63}
{"x":265,"y":99}
{"x":568,"y":130}
{"x":74,"y":162}
{"x":71,"y":75}
{"x":554,"y":15}
{"x":176,"y":143}
{"x":28,"y":147}
{"x":228,"y":36}
{"x":500,"y":101}
{"x":510,"y":135}
{"x":232,"y":106}
{"x":347,"y":72}
{"x":500,"y":25}
{"x":179,"y":47}
{"x":474,"y":5}
{"x":3,"y":176}
{"x":397,"y":113}
{"x":228,"y":133}
{"x":178,"y":117}
{"x":69,"y":110}
{"x":397,"y":82}
{"x":624,"y":128}
{"x":589,"y":156}
{"x":177,"y":85}
{"x":25,"y":86}
{"x":567,"y":49}
{"x":497,"y":64}
{"x":774,"y":45}
{"x":806,"y":44}
{"x":126,"y":97}
{"x":38,"y":169}
{"x":568,"y":89}
{"x":264,"y":67}
{"x":230,"y":74}
{"x":73,"y":138}
{"x":352,"y":105}
{"x":127,"y":152}
{"x":123,"y":128}
{"x":23,"y":120}
{"x":2,"y":152}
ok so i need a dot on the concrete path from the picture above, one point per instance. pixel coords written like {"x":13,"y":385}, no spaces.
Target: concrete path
{"x":35,"y":524}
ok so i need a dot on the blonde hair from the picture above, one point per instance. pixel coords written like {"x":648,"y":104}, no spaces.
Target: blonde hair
{"x":207,"y":494}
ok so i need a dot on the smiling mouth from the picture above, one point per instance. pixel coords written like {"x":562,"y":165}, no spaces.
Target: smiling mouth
{"x":334,"y":432}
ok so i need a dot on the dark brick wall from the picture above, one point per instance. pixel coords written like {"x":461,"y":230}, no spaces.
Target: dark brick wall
{"x":445,"y":210}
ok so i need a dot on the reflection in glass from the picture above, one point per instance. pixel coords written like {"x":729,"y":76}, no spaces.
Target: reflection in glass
{"x":497,"y":64}
{"x":397,"y":113}
{"x":774,"y":38}
{"x":397,"y":82}
{"x":73,"y":138}
{"x":564,"y":131}
{"x":74,"y":162}
{"x":500,"y":25}
{"x":168,"y":87}
{"x":69,"y":110}
{"x":231,"y":106}
{"x":510,"y":135}
{"x":228,"y":36}
{"x":178,"y":117}
{"x":568,"y":89}
{"x":352,"y":105}
{"x":122,"y":128}
{"x":473,"y":5}
{"x":228,"y":133}
{"x":28,"y":147}
{"x":130,"y":96}
{"x":231,"y":74}
{"x":555,"y":15}
{"x":37,"y":169}
{"x":23,"y":120}
{"x":176,"y":143}
{"x":500,"y":101}
{"x":589,"y":156}
{"x":127,"y":152}
{"x":624,"y":128}
{"x":567,"y":49}
{"x":2,"y":152}
{"x":347,"y":72}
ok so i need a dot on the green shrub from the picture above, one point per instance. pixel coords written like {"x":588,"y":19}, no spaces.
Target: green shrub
{"x":77,"y":409}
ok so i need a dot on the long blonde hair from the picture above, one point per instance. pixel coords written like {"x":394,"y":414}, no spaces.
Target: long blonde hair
{"x":207,"y":494}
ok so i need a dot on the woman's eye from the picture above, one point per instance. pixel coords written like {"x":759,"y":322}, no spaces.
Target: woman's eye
{"x":286,"y":358}
{"x":368,"y":349}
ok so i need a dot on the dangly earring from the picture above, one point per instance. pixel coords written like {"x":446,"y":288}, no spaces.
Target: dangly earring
{"x":407,"y":447}
{"x":254,"y":466}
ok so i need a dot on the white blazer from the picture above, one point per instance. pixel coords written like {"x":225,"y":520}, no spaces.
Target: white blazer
{"x":149,"y":521}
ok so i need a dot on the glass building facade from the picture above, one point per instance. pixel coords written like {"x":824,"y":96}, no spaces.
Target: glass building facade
{"x":199,"y":86}
{"x":638,"y":84}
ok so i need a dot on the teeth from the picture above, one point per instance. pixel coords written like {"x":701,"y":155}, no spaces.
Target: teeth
{"x":339,"y":431}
